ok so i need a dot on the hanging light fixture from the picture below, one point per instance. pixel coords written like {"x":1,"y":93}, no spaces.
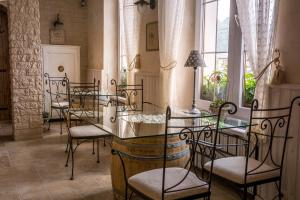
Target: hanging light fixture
{"x":142,"y":4}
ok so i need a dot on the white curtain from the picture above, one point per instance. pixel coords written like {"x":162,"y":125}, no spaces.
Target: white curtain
{"x":258,"y":19}
{"x":130,"y":21}
{"x":170,"y":22}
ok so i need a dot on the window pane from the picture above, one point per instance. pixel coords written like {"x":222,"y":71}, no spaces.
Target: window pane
{"x":215,"y":50}
{"x":223,"y":25}
{"x":249,"y":83}
{"x":210,"y":28}
{"x":207,"y":92}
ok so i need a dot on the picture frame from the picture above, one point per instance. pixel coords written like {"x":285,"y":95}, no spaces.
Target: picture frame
{"x":152,"y":40}
{"x":57,"y":36}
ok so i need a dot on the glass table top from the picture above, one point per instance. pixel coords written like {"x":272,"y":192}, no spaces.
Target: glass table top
{"x":149,"y":120}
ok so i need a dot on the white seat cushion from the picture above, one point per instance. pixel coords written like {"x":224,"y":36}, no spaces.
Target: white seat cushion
{"x":150,"y":183}
{"x":233,"y":169}
{"x":122,"y":100}
{"x":78,"y":114}
{"x":87,"y":131}
{"x":60,"y":104}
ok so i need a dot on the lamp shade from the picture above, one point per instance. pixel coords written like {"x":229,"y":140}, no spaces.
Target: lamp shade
{"x":195,"y":60}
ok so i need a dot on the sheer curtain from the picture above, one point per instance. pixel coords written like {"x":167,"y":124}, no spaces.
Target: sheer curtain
{"x":258,"y":19}
{"x":170,"y":21}
{"x":130,"y":21}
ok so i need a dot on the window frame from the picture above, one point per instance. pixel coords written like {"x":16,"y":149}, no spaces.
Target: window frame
{"x":235,"y":60}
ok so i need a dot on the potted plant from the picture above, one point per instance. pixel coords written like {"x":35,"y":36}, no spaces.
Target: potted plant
{"x":215,"y":105}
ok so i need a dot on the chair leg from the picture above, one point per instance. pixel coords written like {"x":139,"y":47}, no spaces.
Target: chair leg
{"x":49,"y":118}
{"x":72,"y":153}
{"x":93,"y":147}
{"x":98,"y":159}
{"x":279,"y":191}
{"x":245,"y":193}
{"x":69,"y":149}
{"x":130,"y":195}
{"x":67,"y":146}
{"x":61,"y":122}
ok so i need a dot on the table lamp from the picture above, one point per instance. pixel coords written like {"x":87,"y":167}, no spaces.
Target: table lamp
{"x":194,"y":60}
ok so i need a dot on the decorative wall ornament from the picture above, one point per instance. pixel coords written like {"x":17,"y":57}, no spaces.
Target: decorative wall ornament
{"x":152,"y":43}
{"x":57,"y":36}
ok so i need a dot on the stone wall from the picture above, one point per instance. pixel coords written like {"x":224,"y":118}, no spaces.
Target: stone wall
{"x":26,"y":68}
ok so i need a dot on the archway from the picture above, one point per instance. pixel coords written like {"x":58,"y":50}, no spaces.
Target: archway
{"x":5,"y":88}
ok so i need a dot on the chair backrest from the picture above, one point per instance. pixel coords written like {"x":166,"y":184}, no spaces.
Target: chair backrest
{"x":129,"y":97}
{"x":192,"y":129}
{"x":84,"y":98}
{"x":267,"y":137}
{"x":56,"y":87}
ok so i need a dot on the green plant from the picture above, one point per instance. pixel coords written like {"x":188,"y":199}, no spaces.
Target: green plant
{"x":249,"y":88}
{"x":217,"y":103}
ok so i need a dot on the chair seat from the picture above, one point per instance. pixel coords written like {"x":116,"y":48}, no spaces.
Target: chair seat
{"x":121,"y":100}
{"x":87,"y":131}
{"x":149,"y":183}
{"x":62,"y":104}
{"x":233,"y":169}
{"x":82,"y":114}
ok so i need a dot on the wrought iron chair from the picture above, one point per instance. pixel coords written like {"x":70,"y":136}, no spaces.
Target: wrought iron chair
{"x":84,"y":105}
{"x":128,"y":97}
{"x":56,"y":87}
{"x":178,"y":182}
{"x":267,"y":134}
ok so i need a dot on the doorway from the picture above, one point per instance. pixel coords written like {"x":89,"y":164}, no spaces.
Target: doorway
{"x":5,"y":95}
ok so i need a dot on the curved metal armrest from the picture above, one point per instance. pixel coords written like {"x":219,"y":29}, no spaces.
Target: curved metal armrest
{"x":218,"y":146}
{"x":122,"y":154}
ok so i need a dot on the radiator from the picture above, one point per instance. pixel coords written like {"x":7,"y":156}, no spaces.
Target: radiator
{"x":151,"y":85}
{"x":93,"y":73}
{"x":281,"y":97}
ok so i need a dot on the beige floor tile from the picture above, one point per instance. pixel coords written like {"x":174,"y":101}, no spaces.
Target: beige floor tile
{"x":36,"y":170}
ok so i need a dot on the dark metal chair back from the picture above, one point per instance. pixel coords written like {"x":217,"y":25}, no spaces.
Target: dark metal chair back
{"x":192,"y":129}
{"x":84,"y":98}
{"x":56,"y":87}
{"x":129,"y":97}
{"x":267,"y":137}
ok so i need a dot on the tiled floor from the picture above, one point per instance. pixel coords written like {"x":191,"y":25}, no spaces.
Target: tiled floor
{"x":36,"y":170}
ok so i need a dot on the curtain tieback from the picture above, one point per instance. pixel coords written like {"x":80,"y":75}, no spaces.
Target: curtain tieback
{"x":135,"y":63}
{"x":169,"y":66}
{"x":276,"y":60}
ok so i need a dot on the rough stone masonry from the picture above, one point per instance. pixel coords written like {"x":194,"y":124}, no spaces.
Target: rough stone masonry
{"x":26,"y":68}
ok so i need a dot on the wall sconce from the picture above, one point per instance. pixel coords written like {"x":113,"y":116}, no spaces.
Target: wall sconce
{"x":142,"y":4}
{"x":57,"y":23}
{"x":83,"y":3}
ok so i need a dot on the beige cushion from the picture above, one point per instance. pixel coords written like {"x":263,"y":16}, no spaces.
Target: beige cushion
{"x":233,"y":169}
{"x":150,"y":183}
{"x":87,"y":131}
{"x":60,"y":104}
{"x":122,"y":100}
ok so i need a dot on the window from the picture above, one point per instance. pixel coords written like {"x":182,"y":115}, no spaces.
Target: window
{"x":122,"y":48}
{"x":228,"y":75}
{"x":215,"y":49}
{"x":249,"y":83}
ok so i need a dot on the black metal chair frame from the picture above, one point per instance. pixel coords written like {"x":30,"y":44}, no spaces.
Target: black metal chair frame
{"x":56,"y":96}
{"x":270,"y":124}
{"x":192,"y":135}
{"x":128,"y":92}
{"x":74,"y":89}
{"x":83,"y":92}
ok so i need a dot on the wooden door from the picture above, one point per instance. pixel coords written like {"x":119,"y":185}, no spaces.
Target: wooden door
{"x":5,"y":98}
{"x":55,"y":56}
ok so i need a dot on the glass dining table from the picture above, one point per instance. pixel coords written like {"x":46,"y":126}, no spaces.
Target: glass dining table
{"x":138,"y":131}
